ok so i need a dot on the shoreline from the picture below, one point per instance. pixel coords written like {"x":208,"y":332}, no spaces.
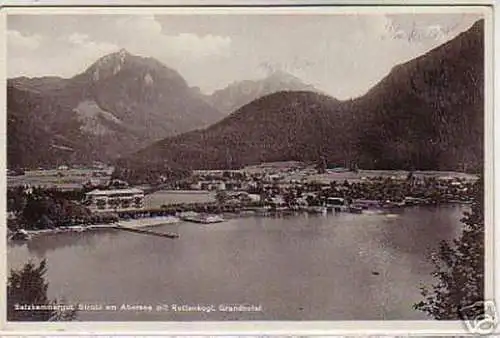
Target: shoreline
{"x":170,"y":220}
{"x":185,"y":192}
{"x":135,"y":223}
{"x":149,"y":221}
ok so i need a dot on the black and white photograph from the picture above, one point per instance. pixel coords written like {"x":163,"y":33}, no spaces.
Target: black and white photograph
{"x":247,"y":165}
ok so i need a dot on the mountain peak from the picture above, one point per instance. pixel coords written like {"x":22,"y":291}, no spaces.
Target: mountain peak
{"x":120,"y":103}
{"x":115,"y":56}
{"x":238,"y":94}
{"x":280,"y":73}
{"x":280,"y":80}
{"x":109,"y":64}
{"x":428,"y":115}
{"x":123,"y":52}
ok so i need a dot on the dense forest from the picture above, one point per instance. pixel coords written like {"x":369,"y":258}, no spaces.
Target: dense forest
{"x":426,"y":114}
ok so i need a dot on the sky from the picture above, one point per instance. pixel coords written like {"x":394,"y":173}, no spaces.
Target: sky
{"x":341,"y":55}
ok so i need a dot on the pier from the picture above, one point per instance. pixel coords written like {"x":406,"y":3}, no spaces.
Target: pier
{"x":147,"y":232}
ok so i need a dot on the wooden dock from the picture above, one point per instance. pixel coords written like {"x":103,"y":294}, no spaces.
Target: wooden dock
{"x":147,"y":232}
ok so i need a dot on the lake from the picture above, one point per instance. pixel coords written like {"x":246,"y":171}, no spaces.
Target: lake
{"x":302,"y":267}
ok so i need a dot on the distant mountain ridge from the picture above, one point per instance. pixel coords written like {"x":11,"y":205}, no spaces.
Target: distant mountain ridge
{"x":426,"y":114}
{"x":240,"y":93}
{"x":264,"y":130}
{"x":119,"y":104}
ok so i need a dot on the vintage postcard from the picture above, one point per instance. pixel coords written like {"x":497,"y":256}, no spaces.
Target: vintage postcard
{"x":249,"y":169}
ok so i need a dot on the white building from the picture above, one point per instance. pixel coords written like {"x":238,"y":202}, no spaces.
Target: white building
{"x":196,"y":186}
{"x":115,"y":200}
{"x":209,"y":185}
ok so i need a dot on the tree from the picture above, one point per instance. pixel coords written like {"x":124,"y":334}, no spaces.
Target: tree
{"x":16,"y":199}
{"x":222,"y":196}
{"x":289,"y":198}
{"x":459,"y":269}
{"x":27,"y":287}
{"x":37,"y":205}
{"x":310,"y":200}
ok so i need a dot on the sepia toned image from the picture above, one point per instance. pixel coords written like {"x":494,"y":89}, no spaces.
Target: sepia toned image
{"x":246,"y":166}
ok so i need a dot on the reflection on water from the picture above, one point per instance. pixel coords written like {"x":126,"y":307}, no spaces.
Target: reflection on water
{"x":420,"y":234}
{"x":303,"y":267}
{"x":51,"y":242}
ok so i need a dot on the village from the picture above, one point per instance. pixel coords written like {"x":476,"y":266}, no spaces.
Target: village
{"x":212,"y":196}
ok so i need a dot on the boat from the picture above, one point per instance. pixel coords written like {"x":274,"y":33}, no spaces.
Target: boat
{"x":248,"y":212}
{"x":374,"y":211}
{"x":337,"y":204}
{"x":412,"y":201}
{"x":353,"y":209}
{"x":208,"y":219}
{"x":77,"y":228}
{"x":100,"y":226}
{"x":203,"y":219}
{"x":393,"y":205}
{"x":20,"y":235}
{"x":186,"y":215}
{"x":15,"y":172}
{"x":263,"y":210}
{"x":317,"y":210}
{"x":373,"y":207}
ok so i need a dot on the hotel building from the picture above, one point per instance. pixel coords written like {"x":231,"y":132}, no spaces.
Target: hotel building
{"x":115,"y":200}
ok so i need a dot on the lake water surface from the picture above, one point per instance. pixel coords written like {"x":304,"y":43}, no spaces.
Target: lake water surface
{"x":303,"y":267}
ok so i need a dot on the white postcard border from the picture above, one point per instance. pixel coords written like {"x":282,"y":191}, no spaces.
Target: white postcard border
{"x":492,"y":205}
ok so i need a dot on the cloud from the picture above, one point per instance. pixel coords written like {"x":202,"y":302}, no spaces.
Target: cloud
{"x":349,"y":62}
{"x":64,"y":56}
{"x":143,"y":35}
{"x":19,"y":42}
{"x":343,"y":55}
{"x":78,"y":39}
{"x":68,"y":53}
{"x":139,"y":25}
{"x":81,"y":52}
{"x":83,"y":45}
{"x":206,"y":46}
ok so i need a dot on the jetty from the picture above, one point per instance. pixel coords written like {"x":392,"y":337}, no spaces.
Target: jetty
{"x":147,"y":232}
{"x":195,"y":217}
